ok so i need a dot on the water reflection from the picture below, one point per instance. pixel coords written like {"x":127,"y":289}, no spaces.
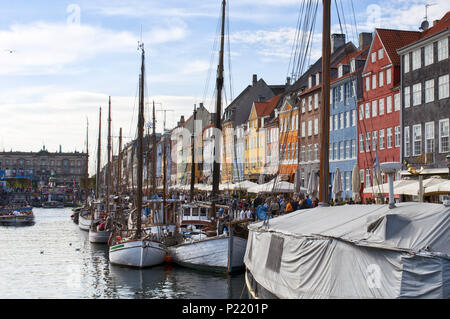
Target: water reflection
{"x":54,"y":259}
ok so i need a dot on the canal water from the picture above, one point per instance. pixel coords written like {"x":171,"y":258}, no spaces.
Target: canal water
{"x":54,"y":259}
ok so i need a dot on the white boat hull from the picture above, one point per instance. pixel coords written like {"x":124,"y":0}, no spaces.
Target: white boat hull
{"x":84,"y":223}
{"x":99,"y":237}
{"x":211,"y":254}
{"x":137,"y":254}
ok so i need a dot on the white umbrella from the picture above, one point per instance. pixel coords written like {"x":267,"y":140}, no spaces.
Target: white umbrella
{"x":441,"y":188}
{"x":356,"y":183}
{"x":413,"y":188}
{"x":284,"y":187}
{"x":337,"y":183}
{"x":244,"y":185}
{"x":384,"y":188}
{"x":312,"y":184}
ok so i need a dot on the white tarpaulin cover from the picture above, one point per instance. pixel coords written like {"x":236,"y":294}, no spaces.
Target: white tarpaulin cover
{"x":354,"y":251}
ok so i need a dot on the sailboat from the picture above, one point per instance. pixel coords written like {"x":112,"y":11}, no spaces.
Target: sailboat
{"x":222,"y":253}
{"x":140,"y":250}
{"x":352,"y":252}
{"x":86,"y":213}
{"x":96,"y":233}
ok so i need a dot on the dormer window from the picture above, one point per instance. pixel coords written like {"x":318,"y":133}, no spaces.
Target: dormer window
{"x":340,"y":70}
{"x":317,"y":78}
{"x":310,"y":82}
{"x":352,"y":65}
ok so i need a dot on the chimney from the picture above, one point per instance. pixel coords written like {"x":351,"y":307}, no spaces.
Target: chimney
{"x":60,"y":148}
{"x":181,"y":120}
{"x":288,"y":81}
{"x":365,"y":39}
{"x":337,"y":40}
{"x":255,"y":79}
{"x":201,"y":105}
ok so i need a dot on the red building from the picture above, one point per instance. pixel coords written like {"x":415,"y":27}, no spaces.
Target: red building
{"x":379,"y":125}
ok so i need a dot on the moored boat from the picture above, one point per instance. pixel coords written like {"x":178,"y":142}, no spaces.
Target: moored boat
{"x":84,"y":220}
{"x":52,"y":204}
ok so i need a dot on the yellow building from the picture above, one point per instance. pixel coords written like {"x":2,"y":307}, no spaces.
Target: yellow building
{"x":227,"y":153}
{"x":255,"y":146}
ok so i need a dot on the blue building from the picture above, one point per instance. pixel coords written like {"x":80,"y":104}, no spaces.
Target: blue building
{"x":346,"y":89}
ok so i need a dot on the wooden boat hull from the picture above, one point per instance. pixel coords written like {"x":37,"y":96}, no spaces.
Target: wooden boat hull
{"x":217,"y":254}
{"x":99,"y":237}
{"x":16,"y":220}
{"x":137,"y":254}
{"x":84,"y":223}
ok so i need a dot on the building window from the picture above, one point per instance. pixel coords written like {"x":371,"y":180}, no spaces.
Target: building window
{"x":397,"y":102}
{"x":416,"y":62}
{"x":353,"y":117}
{"x":397,"y":136}
{"x":303,"y":105}
{"x":331,"y":122}
{"x":374,"y":140}
{"x":429,"y":91}
{"x":316,"y":101}
{"x":388,"y":76}
{"x":316,"y":152}
{"x":310,"y":103}
{"x":347,"y":119}
{"x":407,"y":142}
{"x":336,"y":122}
{"x":443,"y":136}
{"x":374,"y":57}
{"x":361,"y":143}
{"x":388,"y":104}
{"x":303,"y":129}
{"x":374,"y":81}
{"x":367,"y":110}
{"x":368,"y":142}
{"x":429,"y":137}
{"x":309,"y":127}
{"x":361,"y":112}
{"x":335,"y":153}
{"x":353,"y":148}
{"x":380,"y":79}
{"x":417,"y":139}
{"x":406,"y":63}
{"x":407,"y":97}
{"x":341,"y":120}
{"x":367,"y":83}
{"x":316,"y":126}
{"x":380,"y":54}
{"x":309,"y":152}
{"x":428,"y":52}
{"x":353,"y":88}
{"x":341,"y":150}
{"x":443,"y":87}
{"x":381,"y":106}
{"x":352,"y":65}
{"x":302,"y":153}
{"x":341,"y":93}
{"x":443,"y":49}
{"x":374,"y":108}
{"x":389,"y":137}
{"x":382,"y":139}
{"x":417,"y":94}
{"x":368,"y":179}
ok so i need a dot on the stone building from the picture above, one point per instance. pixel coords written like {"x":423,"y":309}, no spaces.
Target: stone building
{"x":426,"y":99}
{"x":66,"y":168}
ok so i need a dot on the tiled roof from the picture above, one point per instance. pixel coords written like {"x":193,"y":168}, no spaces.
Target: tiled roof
{"x":395,"y":39}
{"x":265,"y":108}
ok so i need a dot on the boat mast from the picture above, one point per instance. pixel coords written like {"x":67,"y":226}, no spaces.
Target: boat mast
{"x":86,"y":183}
{"x":218,"y":123}
{"x":164,"y":177}
{"x":119,"y":164}
{"x":154,"y":151}
{"x":97,"y":186}
{"x":325,"y":109}
{"x":192,"y":156}
{"x":108,"y":167}
{"x":140,"y":142}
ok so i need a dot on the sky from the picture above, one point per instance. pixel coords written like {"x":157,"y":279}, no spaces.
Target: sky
{"x":61,"y":60}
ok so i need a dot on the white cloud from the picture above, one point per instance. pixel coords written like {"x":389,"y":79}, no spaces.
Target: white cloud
{"x":44,"y":48}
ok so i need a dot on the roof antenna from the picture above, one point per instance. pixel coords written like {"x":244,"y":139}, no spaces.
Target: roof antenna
{"x":425,"y":23}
